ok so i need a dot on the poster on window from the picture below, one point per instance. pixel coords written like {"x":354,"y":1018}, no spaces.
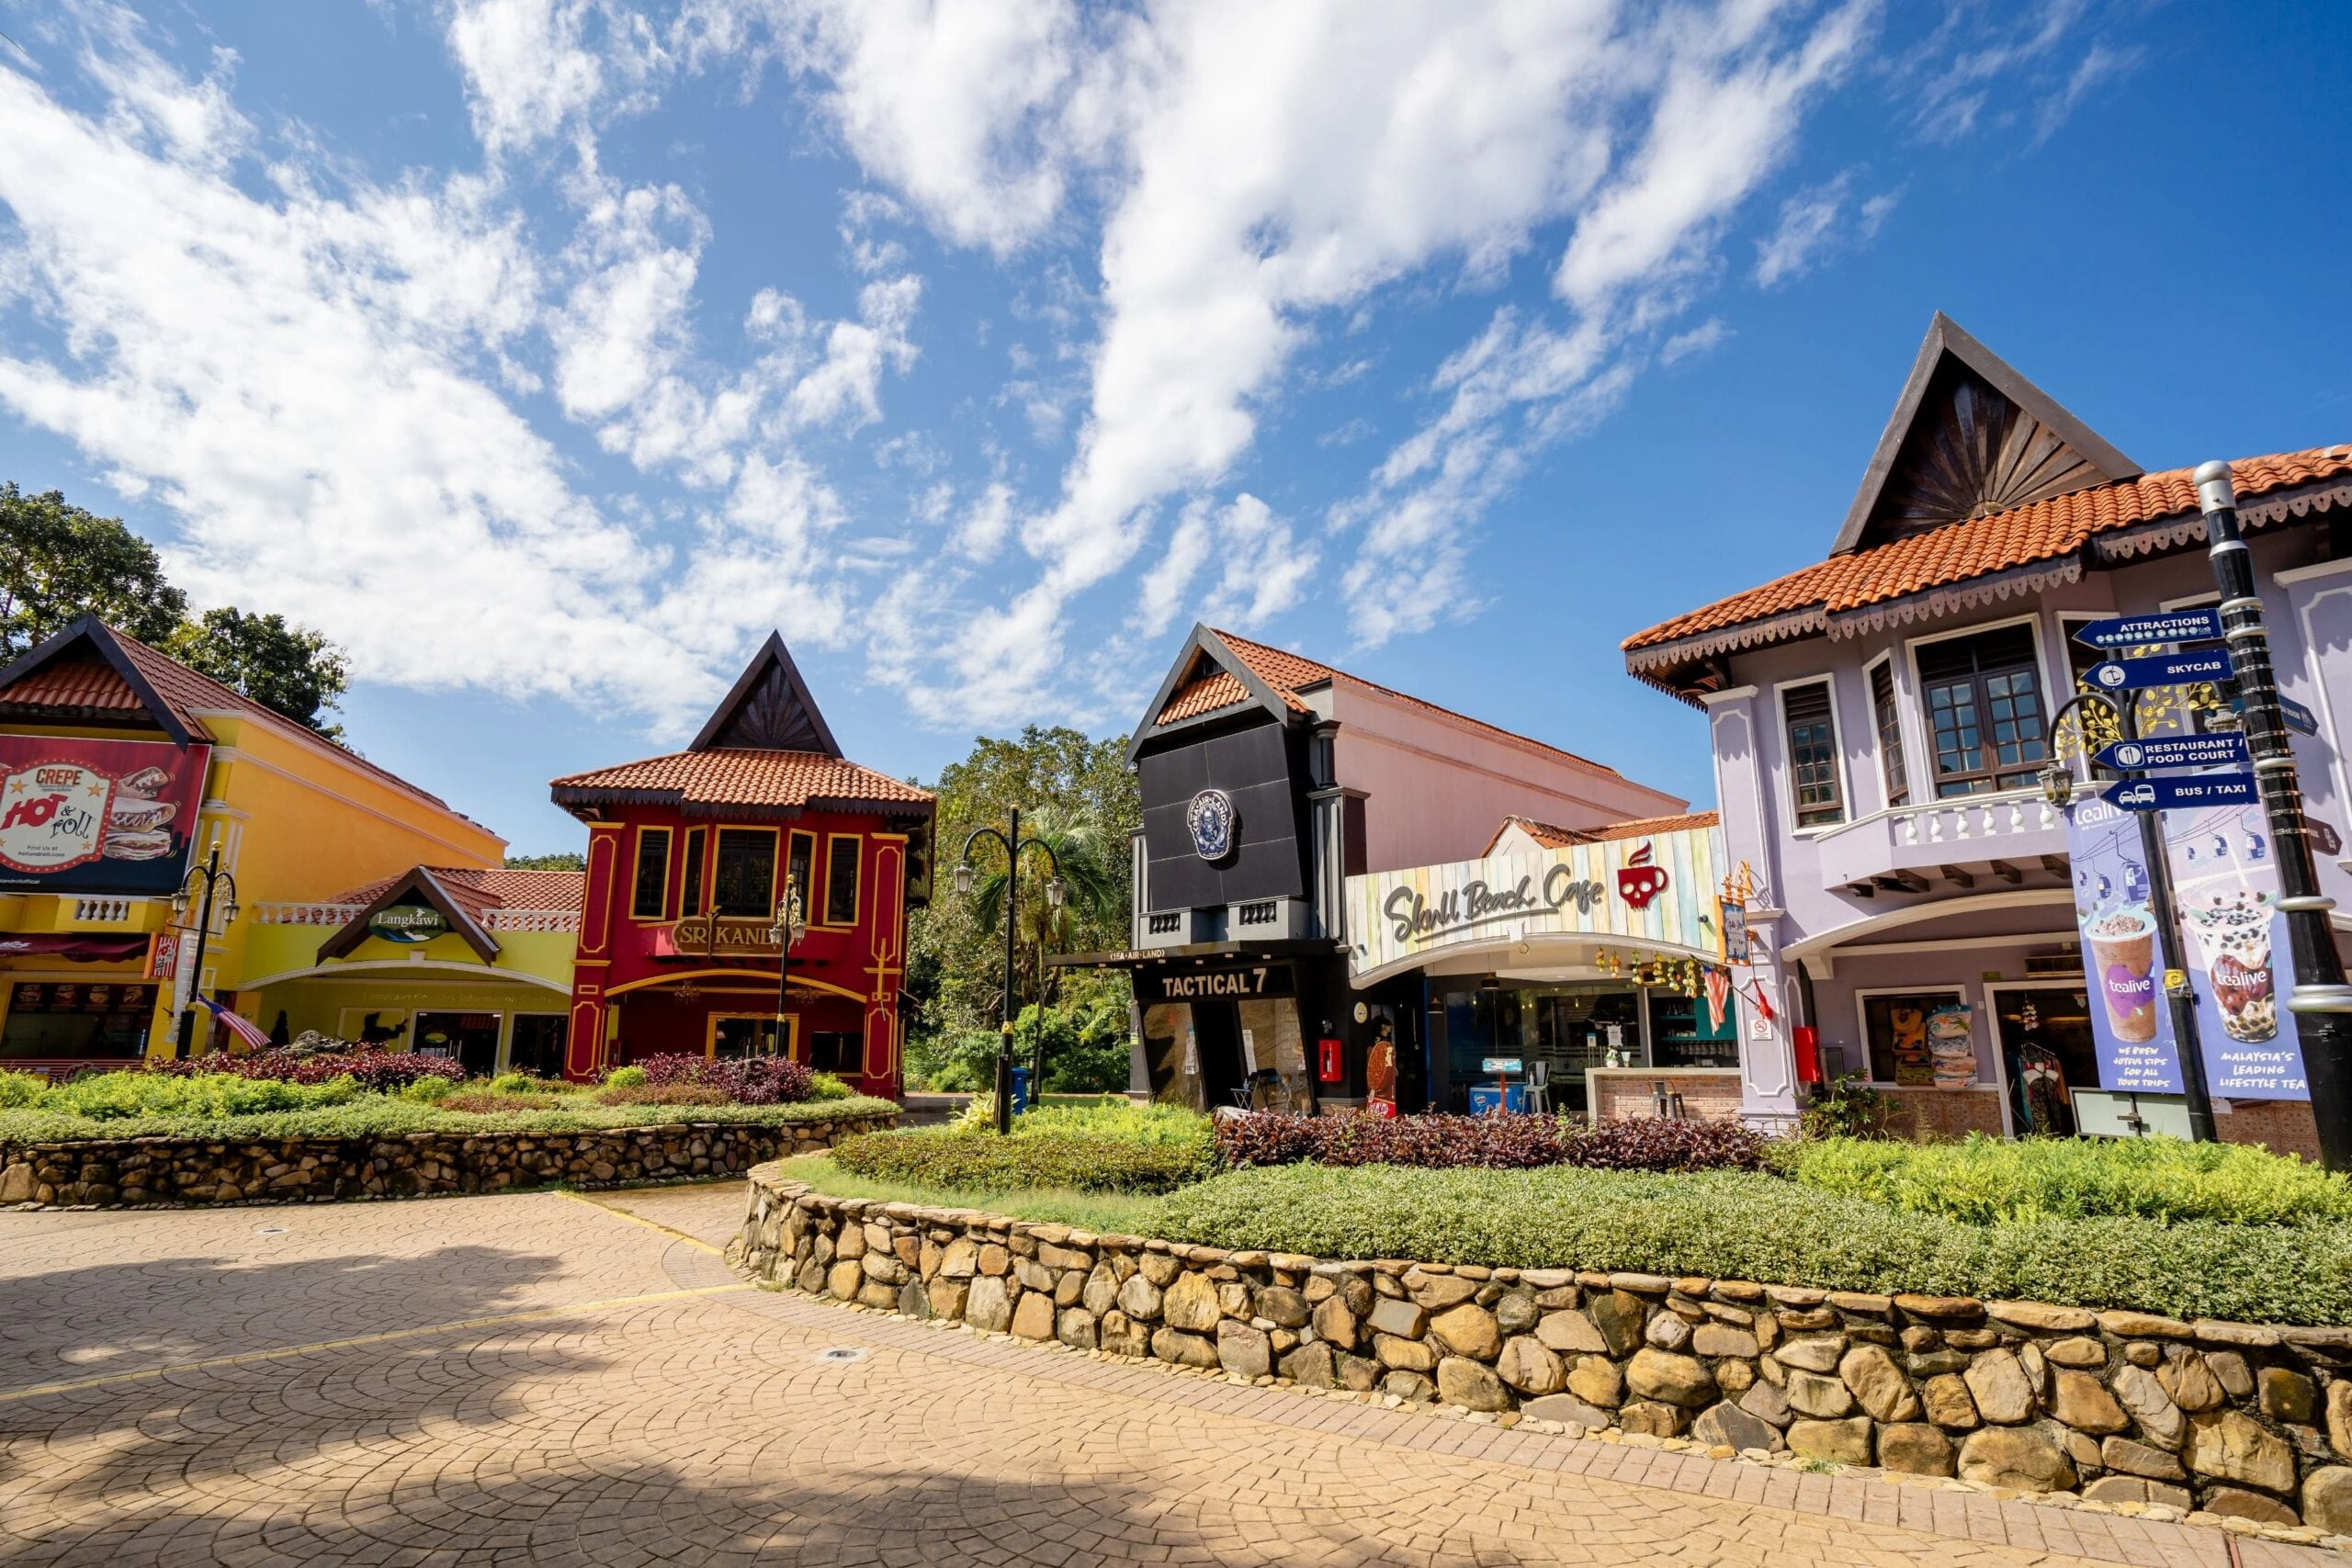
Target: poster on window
{"x":2225,"y":882}
{"x":97,"y":816}
{"x":2123,"y":962}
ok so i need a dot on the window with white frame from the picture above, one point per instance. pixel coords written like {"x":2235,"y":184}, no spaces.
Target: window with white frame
{"x":1810,"y":722}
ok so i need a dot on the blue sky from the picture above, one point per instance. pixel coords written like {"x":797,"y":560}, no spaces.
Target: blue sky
{"x":546,"y":353}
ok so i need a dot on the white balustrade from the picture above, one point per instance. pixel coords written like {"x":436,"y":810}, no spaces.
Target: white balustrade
{"x":306,"y":914}
{"x":531,"y":920}
{"x":1920,"y":836}
{"x":101,"y":911}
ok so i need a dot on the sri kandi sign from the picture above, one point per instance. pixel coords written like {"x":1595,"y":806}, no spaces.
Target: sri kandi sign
{"x":1656,"y":892}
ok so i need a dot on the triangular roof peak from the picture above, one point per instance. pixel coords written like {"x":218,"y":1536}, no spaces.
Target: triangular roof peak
{"x":1213,"y":677}
{"x":1969,"y":437}
{"x":769,"y":709}
{"x":87,"y":671}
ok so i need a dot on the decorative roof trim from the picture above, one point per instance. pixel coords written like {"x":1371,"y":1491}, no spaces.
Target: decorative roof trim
{"x":1945,"y":336}
{"x":1948,"y":598}
{"x":1784,"y":627}
{"x":772,"y":650}
{"x":421,"y":882}
{"x":2183,"y":529}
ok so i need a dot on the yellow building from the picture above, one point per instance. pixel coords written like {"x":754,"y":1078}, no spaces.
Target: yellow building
{"x":121,"y":773}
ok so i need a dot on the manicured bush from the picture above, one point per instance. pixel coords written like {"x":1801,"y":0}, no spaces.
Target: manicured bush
{"x":433,"y":1089}
{"x":1749,"y":1225}
{"x":1493,"y":1142}
{"x":1985,"y":1181}
{"x":746,"y":1080}
{"x":382,"y":1116}
{"x":1110,"y":1147}
{"x":379,"y":1071}
{"x":661,"y":1094}
{"x":826,"y":1085}
{"x":109,"y":1097}
{"x":625,"y":1077}
{"x":527,"y":1083}
{"x":20,"y":1089}
{"x":482,"y":1102}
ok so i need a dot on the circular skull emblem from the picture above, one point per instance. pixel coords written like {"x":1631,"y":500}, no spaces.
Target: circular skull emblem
{"x":1212,"y":818}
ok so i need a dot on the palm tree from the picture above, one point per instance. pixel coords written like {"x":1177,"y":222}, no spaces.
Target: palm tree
{"x":1091,"y":892}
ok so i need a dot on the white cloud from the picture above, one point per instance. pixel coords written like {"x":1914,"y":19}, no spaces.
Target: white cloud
{"x":1700,"y":339}
{"x":1806,"y":221}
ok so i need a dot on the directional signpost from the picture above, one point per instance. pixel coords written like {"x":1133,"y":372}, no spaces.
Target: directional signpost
{"x":2300,"y":720}
{"x":2159,"y":670}
{"x":2182,"y":792}
{"x":2141,"y":631}
{"x":2222,"y":749}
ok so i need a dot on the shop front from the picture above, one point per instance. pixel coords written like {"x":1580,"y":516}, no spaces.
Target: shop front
{"x":1592,"y":976}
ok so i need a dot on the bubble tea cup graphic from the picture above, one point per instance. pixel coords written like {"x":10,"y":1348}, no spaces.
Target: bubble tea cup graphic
{"x":2124,"y":957}
{"x":2222,"y":857}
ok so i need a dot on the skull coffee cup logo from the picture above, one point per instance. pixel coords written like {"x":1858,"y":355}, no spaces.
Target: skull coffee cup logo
{"x":1638,"y":881}
{"x":1212,"y":818}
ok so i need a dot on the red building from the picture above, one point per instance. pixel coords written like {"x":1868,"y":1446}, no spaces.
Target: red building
{"x":689,"y":857}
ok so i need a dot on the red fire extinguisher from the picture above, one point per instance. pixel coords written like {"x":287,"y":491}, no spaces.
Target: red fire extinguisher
{"x":1329,"y":1065}
{"x":1808,"y":1043}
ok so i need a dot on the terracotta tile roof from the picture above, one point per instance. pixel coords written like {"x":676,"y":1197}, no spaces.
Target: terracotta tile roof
{"x":478,"y":888}
{"x":1553,"y":837}
{"x":735,"y":777}
{"x":1290,"y":673}
{"x":74,"y":684}
{"x":2041,"y":532}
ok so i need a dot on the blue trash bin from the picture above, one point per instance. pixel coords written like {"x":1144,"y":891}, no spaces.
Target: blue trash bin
{"x":1020,"y":1090}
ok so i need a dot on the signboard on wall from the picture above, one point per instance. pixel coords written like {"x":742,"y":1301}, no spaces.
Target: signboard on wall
{"x":1236,"y":982}
{"x":80,"y":816}
{"x":1577,"y":889}
{"x":2123,"y":961}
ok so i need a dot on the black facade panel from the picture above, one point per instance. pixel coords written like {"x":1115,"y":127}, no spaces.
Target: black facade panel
{"x":1258,"y":767}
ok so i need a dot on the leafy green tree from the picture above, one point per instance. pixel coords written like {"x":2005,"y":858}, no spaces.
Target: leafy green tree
{"x":569,"y":860}
{"x":287,"y":669}
{"x":58,"y":562}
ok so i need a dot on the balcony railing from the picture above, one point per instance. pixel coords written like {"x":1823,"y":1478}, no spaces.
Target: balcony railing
{"x":532,"y":919}
{"x":101,"y":911}
{"x":2008,"y":832}
{"x":344,"y":914}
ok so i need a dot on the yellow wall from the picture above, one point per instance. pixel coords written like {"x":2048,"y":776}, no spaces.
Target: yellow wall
{"x":298,"y":821}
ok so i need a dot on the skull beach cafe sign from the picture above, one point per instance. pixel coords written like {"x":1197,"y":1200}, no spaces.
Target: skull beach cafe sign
{"x":1654,"y":894}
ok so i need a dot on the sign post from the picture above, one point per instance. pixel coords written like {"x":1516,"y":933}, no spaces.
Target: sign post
{"x":2320,"y":1001}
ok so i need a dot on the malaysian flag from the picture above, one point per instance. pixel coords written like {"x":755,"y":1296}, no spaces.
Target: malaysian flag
{"x":244,"y":1029}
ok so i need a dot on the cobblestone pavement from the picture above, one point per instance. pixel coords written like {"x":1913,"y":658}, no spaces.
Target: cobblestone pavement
{"x":548,"y":1379}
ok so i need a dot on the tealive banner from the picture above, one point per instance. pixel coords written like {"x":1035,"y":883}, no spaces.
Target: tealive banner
{"x":97,"y":816}
{"x":2130,"y":1026}
{"x":2225,"y":881}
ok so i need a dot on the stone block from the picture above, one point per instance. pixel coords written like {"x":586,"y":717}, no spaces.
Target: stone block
{"x":1573,"y":1332}
{"x":1596,"y":1380}
{"x":1075,"y":1327}
{"x":994,"y":1258}
{"x":2144,"y":1326}
{"x":1410,"y":1386}
{"x":1934,"y":1363}
{"x":1516,"y":1313}
{"x":1667,"y":1332}
{"x":1531,"y":1368}
{"x":2190,"y":1382}
{"x":2231,"y":1446}
{"x":849,"y":1243}
{"x":1191,"y":1303}
{"x":2022,"y":1458}
{"x":1713,"y":1339}
{"x":2339,"y":1416}
{"x":1998,"y":1383}
{"x":2082,"y":1402}
{"x":1767,"y":1404}
{"x":1123,"y":1335}
{"x":1652,"y":1419}
{"x":1839,"y":1442}
{"x":1817,"y":1354}
{"x":2139,"y":1459}
{"x":1823,"y":1398}
{"x":884,"y":1267}
{"x":1139,"y":1297}
{"x":2327,"y":1499}
{"x":1401,"y":1318}
{"x":1311,"y":1366}
{"x":1334,"y":1323}
{"x":1404,"y":1355}
{"x":1243,"y":1349}
{"x":1102,"y":1290}
{"x":915,"y":1300}
{"x":2079,"y":1351}
{"x":1915,"y":1448}
{"x":1184,"y":1349}
{"x":1233,"y":1299}
{"x":1435,"y":1292}
{"x":1878,"y":1384}
{"x":1358,"y":1374}
{"x":1159,"y":1267}
{"x":1069,"y":1288}
{"x":1565,"y":1407}
{"x":948,"y":1298}
{"x":1283,"y":1306}
{"x":1618,"y":1315}
{"x":1669,"y":1379}
{"x":842,"y":1280}
{"x":2131,"y":1489}
{"x":1734,"y":1428}
{"x":989,"y":1305}
{"x":2287,"y":1396}
{"x":961,"y":1260}
{"x":2233,"y":1503}
{"x":875,"y":1294}
{"x":1467,"y":1330}
{"x":1470,"y":1384}
{"x":2160,"y":1420}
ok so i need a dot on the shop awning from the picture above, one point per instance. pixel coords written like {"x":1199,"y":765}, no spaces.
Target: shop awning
{"x":73,"y":946}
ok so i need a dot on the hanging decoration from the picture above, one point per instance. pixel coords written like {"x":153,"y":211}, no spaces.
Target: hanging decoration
{"x":1718,"y":998}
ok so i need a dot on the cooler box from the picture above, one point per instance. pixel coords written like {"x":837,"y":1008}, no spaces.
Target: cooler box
{"x":1484,"y":1098}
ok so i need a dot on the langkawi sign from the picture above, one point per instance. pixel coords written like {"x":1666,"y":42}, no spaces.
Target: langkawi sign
{"x":1656,"y":892}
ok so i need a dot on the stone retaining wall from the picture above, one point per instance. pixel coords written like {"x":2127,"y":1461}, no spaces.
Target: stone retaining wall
{"x":117,"y":1171}
{"x":2126,"y":1408}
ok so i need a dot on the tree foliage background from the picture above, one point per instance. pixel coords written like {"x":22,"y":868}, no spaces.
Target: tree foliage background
{"x":58,"y":562}
{"x":1065,"y":784}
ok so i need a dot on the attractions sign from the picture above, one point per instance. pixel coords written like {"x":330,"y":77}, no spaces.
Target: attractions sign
{"x":97,"y":816}
{"x":1656,"y":892}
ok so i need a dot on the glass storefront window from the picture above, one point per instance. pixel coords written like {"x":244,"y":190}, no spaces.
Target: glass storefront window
{"x":1569,"y":1029}
{"x":1680,"y":1035}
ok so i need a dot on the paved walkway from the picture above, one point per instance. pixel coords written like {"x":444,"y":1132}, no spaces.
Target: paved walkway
{"x":548,"y":1379}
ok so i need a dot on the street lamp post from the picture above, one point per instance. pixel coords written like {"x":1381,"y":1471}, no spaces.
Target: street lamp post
{"x":1013,"y":843}
{"x":214,"y":879}
{"x":2058,"y":788}
{"x":791,"y":925}
{"x":2321,"y":1000}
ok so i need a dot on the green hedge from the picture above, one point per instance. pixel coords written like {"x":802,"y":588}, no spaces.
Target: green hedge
{"x":1748,"y":1226}
{"x":377,"y":1115}
{"x":1109,"y":1147}
{"x":1988,"y":1181}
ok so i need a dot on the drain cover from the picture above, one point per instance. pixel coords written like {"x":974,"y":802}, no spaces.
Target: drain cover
{"x":841,"y":1354}
{"x":269,"y":1230}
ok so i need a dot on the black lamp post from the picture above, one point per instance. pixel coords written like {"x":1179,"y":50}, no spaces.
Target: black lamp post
{"x":2321,"y":1000}
{"x":791,"y":925}
{"x":2058,"y":788}
{"x":214,"y":879}
{"x":1013,"y":844}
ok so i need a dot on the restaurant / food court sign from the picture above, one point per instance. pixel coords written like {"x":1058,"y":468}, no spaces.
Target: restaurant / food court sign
{"x":1657,"y":893}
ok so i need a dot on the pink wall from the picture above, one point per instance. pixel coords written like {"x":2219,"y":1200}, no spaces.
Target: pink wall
{"x":1440,"y":786}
